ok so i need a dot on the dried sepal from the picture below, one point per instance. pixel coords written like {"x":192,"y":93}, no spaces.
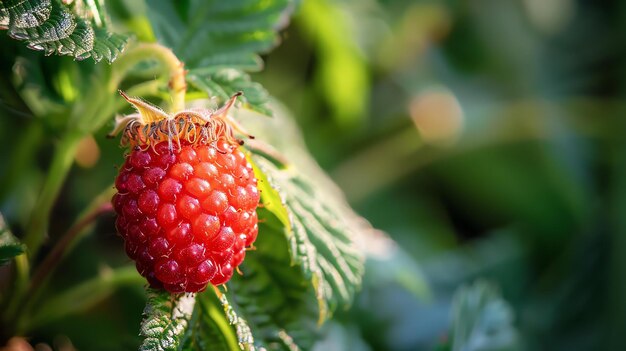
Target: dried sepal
{"x":151,"y":125}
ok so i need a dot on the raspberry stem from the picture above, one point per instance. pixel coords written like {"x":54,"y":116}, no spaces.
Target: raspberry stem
{"x":168,"y":61}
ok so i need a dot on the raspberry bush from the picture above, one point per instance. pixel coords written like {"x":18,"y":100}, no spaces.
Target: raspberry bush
{"x":241,"y":242}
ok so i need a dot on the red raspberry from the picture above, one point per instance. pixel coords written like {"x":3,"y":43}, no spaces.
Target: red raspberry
{"x":186,"y":205}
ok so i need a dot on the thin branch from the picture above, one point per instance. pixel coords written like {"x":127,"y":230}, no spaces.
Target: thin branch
{"x":54,"y":257}
{"x":268,"y":151}
{"x":100,"y":205}
{"x":168,"y":61}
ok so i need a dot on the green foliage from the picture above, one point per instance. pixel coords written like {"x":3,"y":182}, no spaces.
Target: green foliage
{"x":219,"y":41}
{"x":10,"y":246}
{"x":529,"y":191}
{"x":78,"y":30}
{"x":482,"y":320}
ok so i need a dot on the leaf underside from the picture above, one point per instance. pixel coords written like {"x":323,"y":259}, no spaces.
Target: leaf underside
{"x":55,"y":28}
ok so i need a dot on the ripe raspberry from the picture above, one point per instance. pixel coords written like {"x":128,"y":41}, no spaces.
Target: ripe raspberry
{"x":186,"y":200}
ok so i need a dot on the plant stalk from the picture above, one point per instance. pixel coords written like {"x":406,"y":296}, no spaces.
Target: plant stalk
{"x":168,"y":61}
{"x":20,"y":158}
{"x":62,"y":160}
{"x":37,"y":230}
{"x":51,"y":261}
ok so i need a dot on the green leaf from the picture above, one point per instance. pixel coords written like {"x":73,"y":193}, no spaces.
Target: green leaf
{"x":10,"y":247}
{"x":219,"y":33}
{"x":320,"y":227}
{"x":221,"y":40}
{"x":166,"y":319}
{"x":223,"y":83}
{"x":78,"y":30}
{"x":482,"y":320}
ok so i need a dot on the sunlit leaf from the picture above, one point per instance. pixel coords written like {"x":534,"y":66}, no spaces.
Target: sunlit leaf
{"x":320,"y":239}
{"x":223,"y":83}
{"x":220,"y":40}
{"x":55,"y":28}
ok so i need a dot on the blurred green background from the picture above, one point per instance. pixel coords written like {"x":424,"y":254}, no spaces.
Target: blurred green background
{"x":485,"y":137}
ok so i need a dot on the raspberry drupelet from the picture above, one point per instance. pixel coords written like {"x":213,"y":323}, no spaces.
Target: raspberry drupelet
{"x":186,"y":197}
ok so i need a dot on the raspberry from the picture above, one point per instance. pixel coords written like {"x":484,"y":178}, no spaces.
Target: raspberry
{"x":186,"y":202}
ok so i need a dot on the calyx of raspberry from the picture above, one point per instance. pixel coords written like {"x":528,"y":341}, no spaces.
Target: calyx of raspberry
{"x":151,"y":125}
